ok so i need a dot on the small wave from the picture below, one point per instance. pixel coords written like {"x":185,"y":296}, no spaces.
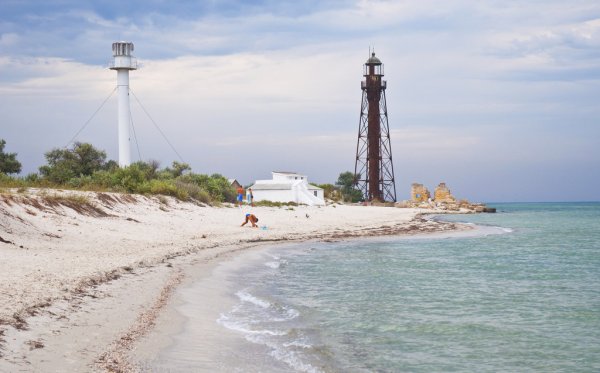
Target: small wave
{"x":273,"y":265}
{"x":279,"y":351}
{"x":282,"y":353}
{"x":274,"y":312}
{"x":298,"y":343}
{"x":242,"y":327}
{"x":247,"y":297}
{"x":500,"y":229}
{"x":291,"y":359}
{"x":288,"y":314}
{"x":266,"y":325}
{"x":292,"y":313}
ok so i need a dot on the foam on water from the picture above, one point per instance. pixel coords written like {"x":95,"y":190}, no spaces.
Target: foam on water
{"x":285,"y":344}
{"x":245,"y":327}
{"x":247,"y":297}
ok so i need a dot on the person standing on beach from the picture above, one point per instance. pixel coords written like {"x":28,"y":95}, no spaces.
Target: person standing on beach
{"x":240,"y":196}
{"x":252,"y":219}
{"x":250,"y":197}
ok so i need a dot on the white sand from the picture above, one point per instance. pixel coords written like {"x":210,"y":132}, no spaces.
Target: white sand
{"x":56,"y":272}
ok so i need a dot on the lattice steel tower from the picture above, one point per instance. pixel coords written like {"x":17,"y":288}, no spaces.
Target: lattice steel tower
{"x":373,"y":170}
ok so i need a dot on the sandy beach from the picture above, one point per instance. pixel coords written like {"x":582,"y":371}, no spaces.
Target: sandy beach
{"x":84,"y":276}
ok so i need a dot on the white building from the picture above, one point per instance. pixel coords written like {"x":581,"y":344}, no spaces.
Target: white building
{"x":288,"y":187}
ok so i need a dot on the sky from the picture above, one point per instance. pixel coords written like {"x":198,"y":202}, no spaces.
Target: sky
{"x":498,"y":99}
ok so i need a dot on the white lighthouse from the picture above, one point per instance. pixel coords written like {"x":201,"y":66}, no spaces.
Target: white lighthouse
{"x":123,"y":61}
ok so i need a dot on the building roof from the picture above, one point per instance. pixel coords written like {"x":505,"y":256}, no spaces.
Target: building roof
{"x":373,"y":60}
{"x":260,"y":186}
{"x":313,"y":187}
{"x":233,"y":182}
{"x":285,"y":172}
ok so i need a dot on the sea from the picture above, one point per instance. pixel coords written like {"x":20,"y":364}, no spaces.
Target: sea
{"x":520,"y":292}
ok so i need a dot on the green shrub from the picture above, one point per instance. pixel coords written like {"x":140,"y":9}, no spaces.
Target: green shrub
{"x":32,"y":179}
{"x":129,"y":178}
{"x":167,"y":188}
{"x":7,"y":181}
{"x":84,"y":167}
{"x":330,"y":191}
{"x":204,"y":197}
{"x":216,"y":185}
{"x":192,"y":190}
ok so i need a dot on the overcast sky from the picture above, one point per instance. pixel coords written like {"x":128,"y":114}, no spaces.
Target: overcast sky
{"x":499,"y":99}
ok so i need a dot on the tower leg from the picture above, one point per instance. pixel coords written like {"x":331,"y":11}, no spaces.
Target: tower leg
{"x":124,"y":117}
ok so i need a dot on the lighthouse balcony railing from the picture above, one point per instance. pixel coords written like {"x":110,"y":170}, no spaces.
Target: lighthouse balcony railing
{"x":363,"y":84}
{"x":123,"y":63}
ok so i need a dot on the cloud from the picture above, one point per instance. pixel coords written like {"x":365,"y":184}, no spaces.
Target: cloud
{"x":55,"y":77}
{"x":8,"y":39}
{"x":473,"y":87}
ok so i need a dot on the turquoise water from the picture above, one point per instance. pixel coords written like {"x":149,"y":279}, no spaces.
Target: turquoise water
{"x":521,"y":297}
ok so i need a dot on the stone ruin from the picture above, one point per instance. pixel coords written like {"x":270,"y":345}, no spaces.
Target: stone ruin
{"x":442,"y":200}
{"x":418,"y":193}
{"x":442,"y":194}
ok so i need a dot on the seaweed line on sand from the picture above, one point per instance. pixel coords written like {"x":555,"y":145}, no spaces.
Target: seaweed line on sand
{"x":115,"y":358}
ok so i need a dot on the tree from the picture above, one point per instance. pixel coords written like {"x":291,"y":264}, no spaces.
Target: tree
{"x":81,"y":160}
{"x":178,"y":169}
{"x":111,"y":166}
{"x":346,"y":181}
{"x":8,"y":161}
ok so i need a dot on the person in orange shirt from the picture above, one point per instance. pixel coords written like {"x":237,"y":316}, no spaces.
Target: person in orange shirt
{"x":240,"y":196}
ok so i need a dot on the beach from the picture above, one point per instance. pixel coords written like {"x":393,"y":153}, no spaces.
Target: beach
{"x":84,"y":276}
{"x":518,"y":292}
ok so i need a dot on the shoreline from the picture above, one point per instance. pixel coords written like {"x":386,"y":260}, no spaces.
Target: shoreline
{"x":99,"y":306}
{"x":155,"y":350}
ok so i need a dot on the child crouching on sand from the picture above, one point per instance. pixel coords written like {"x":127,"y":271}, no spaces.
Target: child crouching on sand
{"x":252,"y":219}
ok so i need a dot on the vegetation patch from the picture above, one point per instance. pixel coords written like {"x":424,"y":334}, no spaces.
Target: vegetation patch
{"x":163,"y":200}
{"x":275,"y":204}
{"x":107,"y":199}
{"x":76,"y":202}
{"x":84,"y":167}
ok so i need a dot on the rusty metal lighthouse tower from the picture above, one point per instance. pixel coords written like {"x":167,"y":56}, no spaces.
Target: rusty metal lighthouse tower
{"x":373,"y":169}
